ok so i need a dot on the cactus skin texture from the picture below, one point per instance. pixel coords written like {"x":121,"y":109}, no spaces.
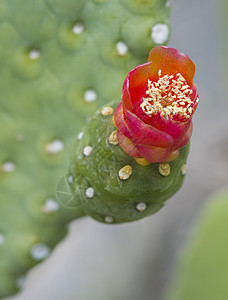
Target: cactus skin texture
{"x":52,"y":53}
{"x":97,"y":177}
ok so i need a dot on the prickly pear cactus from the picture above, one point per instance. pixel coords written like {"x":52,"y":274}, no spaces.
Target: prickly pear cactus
{"x":110,"y":185}
{"x":132,"y":156}
{"x":59,"y":60}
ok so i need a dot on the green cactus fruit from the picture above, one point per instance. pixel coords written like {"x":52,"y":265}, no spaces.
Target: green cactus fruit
{"x":59,"y":61}
{"x":132,"y":157}
{"x":110,"y":185}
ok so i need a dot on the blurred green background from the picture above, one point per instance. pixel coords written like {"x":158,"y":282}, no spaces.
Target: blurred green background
{"x":141,"y":260}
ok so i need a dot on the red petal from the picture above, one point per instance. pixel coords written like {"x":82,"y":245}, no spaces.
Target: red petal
{"x":127,"y":146}
{"x":120,"y":122}
{"x":135,"y":85}
{"x":174,"y":128}
{"x":171,"y":61}
{"x":154,"y":154}
{"x":186,"y":137}
{"x":194,"y":97}
{"x":142,"y":133}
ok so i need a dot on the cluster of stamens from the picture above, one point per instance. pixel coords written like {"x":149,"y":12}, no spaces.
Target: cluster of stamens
{"x":169,"y":96}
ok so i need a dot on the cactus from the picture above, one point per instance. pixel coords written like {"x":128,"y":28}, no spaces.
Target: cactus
{"x":110,"y":185}
{"x":125,"y":174}
{"x":59,"y":61}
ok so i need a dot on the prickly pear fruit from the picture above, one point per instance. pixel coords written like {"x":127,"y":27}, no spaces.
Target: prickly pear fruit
{"x":110,"y":185}
{"x":126,"y":174}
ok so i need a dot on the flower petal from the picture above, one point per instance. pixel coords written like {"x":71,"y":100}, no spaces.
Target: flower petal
{"x":187,"y":136}
{"x":135,"y":85}
{"x":142,"y":133}
{"x":171,"y":61}
{"x":127,"y":146}
{"x":173,"y":128}
{"x":120,"y":122}
{"x":154,"y":154}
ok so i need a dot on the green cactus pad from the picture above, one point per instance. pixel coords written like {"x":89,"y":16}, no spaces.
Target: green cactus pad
{"x":110,"y":185}
{"x":54,"y":54}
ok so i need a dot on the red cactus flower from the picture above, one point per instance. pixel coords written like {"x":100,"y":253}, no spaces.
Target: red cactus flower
{"x":159,"y":98}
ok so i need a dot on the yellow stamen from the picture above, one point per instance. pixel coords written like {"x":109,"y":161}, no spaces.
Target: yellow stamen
{"x":169,"y":96}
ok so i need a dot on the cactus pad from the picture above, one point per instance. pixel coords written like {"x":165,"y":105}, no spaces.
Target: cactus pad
{"x":59,"y":60}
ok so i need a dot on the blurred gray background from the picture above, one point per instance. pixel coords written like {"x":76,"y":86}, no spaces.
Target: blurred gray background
{"x":136,"y":261}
